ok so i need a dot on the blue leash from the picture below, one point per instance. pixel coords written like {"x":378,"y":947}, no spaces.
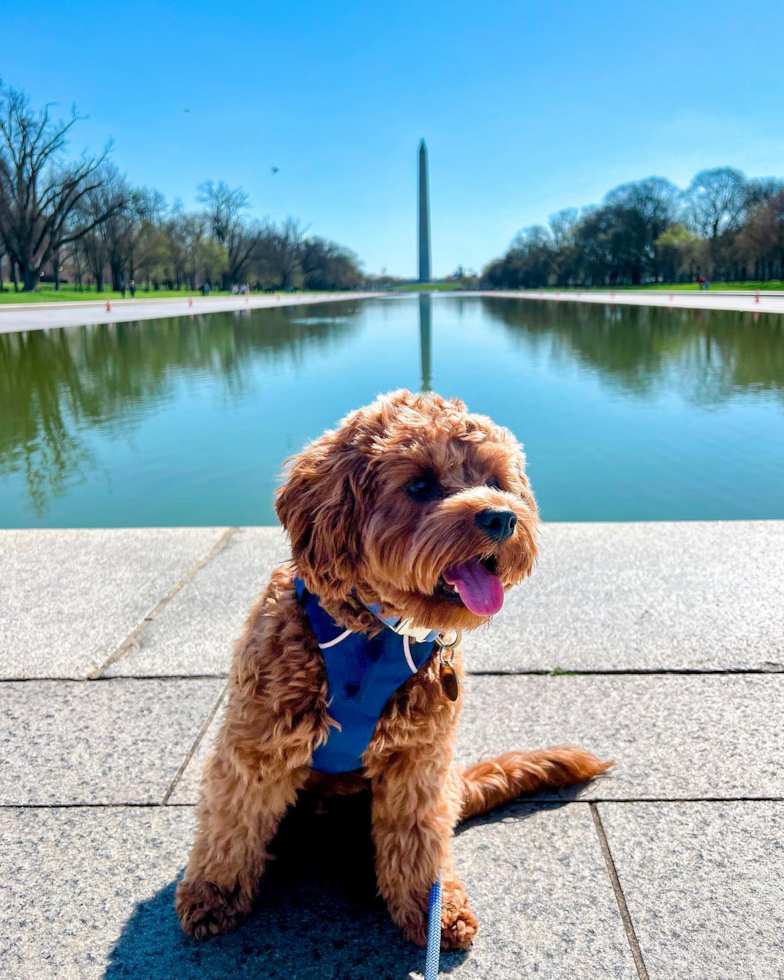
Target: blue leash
{"x":433,"y":931}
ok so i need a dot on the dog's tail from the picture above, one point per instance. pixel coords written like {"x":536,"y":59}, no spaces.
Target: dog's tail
{"x":489,"y":784}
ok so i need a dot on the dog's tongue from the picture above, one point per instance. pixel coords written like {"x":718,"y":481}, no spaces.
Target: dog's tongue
{"x":480,"y":590}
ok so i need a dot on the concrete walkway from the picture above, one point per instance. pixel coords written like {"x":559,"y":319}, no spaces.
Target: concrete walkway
{"x":44,"y":316}
{"x":744,"y":302}
{"x":658,"y":645}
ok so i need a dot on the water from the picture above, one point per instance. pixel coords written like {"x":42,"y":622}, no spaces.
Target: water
{"x":626,"y":413}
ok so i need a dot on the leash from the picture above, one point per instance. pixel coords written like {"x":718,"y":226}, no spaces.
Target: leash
{"x":433,"y":953}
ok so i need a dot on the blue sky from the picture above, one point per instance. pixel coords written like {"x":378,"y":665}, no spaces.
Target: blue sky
{"x":526,"y":108}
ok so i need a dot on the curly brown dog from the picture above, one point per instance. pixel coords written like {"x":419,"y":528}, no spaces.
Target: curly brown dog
{"x":412,"y":511}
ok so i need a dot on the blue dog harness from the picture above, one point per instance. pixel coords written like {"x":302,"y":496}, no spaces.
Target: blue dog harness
{"x":362,"y":674}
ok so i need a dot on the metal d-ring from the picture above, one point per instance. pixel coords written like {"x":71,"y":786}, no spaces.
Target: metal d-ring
{"x":448,"y":647}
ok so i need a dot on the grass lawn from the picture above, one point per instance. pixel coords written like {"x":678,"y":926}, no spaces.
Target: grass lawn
{"x":428,"y":287}
{"x":46,"y":293}
{"x":771,"y":285}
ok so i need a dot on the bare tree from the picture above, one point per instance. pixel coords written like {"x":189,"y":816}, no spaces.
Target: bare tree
{"x":563,"y":226}
{"x":327,"y":265}
{"x":717,"y":200}
{"x":762,"y":238}
{"x":39,"y":192}
{"x":642,"y":211}
{"x":226,"y":211}
{"x":119,"y":226}
{"x":93,"y":251}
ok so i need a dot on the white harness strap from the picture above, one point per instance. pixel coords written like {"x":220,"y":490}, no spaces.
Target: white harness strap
{"x":406,"y":647}
{"x":407,"y":651}
{"x":332,"y":643}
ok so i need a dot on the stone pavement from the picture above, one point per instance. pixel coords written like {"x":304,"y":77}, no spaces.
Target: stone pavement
{"x":698,"y":299}
{"x":45,"y":316}
{"x":659,"y":645}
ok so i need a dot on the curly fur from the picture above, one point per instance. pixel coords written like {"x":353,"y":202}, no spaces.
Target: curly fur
{"x":358,"y":538}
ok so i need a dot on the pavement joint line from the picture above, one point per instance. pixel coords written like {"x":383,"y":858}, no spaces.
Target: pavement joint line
{"x":547,"y":802}
{"x":623,"y":908}
{"x":91,"y":806}
{"x":192,"y":750}
{"x":626,"y":672}
{"x":113,"y":678}
{"x":133,"y":637}
{"x":678,"y":799}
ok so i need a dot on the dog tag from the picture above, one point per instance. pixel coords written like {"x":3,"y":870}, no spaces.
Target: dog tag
{"x":449,"y":681}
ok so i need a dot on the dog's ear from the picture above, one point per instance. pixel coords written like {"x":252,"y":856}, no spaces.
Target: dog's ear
{"x":322,"y":505}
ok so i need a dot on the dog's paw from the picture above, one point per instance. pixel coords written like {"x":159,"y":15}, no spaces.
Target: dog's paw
{"x":458,"y":923}
{"x":205,"y":910}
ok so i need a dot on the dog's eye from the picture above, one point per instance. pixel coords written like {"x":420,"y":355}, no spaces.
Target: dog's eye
{"x":493,"y":484}
{"x":424,"y":489}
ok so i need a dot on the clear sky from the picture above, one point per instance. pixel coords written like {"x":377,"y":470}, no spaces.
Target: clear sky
{"x":526,"y":107}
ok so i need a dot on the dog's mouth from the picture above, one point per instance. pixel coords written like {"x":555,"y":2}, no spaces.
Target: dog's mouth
{"x":474,"y":584}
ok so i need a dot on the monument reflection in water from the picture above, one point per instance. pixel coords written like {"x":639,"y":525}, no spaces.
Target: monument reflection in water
{"x":426,"y":340}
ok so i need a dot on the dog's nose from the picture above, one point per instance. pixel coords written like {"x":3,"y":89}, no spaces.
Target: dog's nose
{"x":498,"y":525}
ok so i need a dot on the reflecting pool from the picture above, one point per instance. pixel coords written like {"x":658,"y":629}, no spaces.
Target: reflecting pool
{"x":626,"y":413}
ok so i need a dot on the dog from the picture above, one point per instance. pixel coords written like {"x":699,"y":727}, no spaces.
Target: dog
{"x":408,"y":523}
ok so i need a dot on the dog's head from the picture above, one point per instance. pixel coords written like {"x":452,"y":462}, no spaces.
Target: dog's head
{"x":414,"y":503}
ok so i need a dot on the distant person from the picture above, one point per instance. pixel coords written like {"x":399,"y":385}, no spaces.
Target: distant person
{"x":132,"y":288}
{"x":122,"y":288}
{"x":234,"y":289}
{"x":701,"y":282}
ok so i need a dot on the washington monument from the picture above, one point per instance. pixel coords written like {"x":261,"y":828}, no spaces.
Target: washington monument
{"x":424,"y":216}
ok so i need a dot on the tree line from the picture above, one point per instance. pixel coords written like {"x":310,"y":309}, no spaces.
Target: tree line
{"x":83,"y":219}
{"x":723,"y":227}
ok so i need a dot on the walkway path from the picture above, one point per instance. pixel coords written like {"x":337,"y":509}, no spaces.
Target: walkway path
{"x":746,"y":302}
{"x":43,"y":316}
{"x":658,"y":645}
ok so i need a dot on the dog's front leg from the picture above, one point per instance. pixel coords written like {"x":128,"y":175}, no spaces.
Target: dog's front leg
{"x":239,"y":813}
{"x":416,"y":805}
{"x":274,"y":717}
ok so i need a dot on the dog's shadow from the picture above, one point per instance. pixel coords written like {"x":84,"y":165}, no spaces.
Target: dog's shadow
{"x":317,"y":914}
